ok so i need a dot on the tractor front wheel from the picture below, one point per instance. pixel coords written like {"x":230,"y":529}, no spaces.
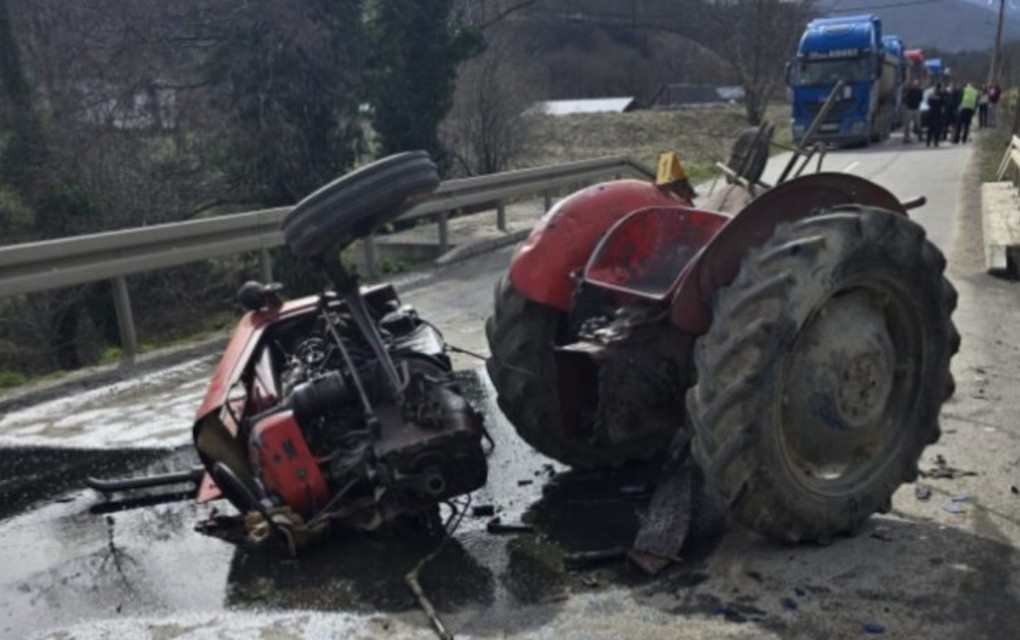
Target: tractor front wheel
{"x":822,"y":375}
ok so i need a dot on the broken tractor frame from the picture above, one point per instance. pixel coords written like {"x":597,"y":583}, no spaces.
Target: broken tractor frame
{"x":789,"y":344}
{"x":335,"y":409}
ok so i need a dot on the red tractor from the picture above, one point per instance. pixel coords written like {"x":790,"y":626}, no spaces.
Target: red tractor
{"x":797,"y":350}
{"x":795,"y":355}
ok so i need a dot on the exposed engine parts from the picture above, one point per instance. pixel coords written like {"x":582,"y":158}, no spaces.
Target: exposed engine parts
{"x":338,"y":409}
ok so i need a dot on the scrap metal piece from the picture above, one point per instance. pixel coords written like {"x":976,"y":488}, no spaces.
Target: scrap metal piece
{"x":667,"y":521}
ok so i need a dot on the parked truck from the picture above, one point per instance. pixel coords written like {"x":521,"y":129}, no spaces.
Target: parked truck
{"x":853,"y":50}
{"x":916,"y":69}
{"x":894,"y":48}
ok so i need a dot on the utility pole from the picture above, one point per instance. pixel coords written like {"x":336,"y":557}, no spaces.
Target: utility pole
{"x":993,"y":71}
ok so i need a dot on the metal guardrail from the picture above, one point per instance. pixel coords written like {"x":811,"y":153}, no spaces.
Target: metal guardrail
{"x":51,"y":264}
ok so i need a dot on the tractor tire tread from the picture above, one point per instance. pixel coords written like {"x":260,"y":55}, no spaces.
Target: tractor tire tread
{"x":522,"y":335}
{"x":356,"y":203}
{"x":738,"y":373}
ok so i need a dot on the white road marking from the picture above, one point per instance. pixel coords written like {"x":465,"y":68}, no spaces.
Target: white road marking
{"x":850,"y":167}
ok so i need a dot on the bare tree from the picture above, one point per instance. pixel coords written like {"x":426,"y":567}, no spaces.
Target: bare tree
{"x":757,"y":37}
{"x":487,"y":126}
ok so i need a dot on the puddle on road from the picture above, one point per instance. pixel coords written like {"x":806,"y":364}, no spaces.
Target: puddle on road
{"x":147,"y":562}
{"x":153,"y":411}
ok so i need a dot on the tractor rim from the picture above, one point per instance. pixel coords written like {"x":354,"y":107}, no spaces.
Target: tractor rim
{"x":851,"y":380}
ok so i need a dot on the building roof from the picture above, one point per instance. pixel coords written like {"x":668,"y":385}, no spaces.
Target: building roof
{"x":587,"y":105}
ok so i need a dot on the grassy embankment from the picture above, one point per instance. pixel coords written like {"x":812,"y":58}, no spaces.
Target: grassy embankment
{"x":700,"y":136}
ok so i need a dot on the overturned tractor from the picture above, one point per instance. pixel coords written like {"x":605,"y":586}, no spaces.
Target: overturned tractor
{"x":794,"y":345}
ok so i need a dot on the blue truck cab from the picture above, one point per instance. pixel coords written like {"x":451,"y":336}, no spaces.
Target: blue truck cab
{"x":851,"y":49}
{"x":936,"y":70}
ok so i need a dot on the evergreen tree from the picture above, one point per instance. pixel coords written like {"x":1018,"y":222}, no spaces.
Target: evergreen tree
{"x":417,"y":46}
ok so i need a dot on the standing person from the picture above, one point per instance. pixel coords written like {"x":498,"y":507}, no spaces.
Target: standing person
{"x":925,"y":109}
{"x":912,"y":98}
{"x":953,"y":95}
{"x":994,"y":93}
{"x":936,"y":106}
{"x":968,"y":103}
{"x":983,"y":107}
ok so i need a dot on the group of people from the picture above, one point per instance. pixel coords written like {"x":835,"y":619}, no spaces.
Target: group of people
{"x":946,"y":113}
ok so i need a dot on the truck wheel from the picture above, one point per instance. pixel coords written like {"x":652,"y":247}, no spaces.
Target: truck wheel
{"x":822,"y":375}
{"x":355,"y":204}
{"x":521,"y":335}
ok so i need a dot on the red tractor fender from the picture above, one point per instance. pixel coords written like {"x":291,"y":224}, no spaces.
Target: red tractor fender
{"x":644,"y":255}
{"x":545,"y":266}
{"x":718,"y":263}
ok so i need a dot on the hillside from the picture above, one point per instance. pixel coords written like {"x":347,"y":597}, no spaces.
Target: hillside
{"x":949,"y":25}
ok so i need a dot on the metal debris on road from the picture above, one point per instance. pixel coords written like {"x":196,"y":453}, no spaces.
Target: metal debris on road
{"x":483,"y":511}
{"x":943,"y":471}
{"x":452,"y":523}
{"x":955,"y":508}
{"x":584,"y":559}
{"x":922,"y":492}
{"x":874,"y":628}
{"x":496,"y":526}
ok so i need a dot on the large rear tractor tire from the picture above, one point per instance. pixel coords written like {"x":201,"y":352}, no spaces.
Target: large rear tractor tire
{"x":821,"y":378}
{"x":522,"y":335}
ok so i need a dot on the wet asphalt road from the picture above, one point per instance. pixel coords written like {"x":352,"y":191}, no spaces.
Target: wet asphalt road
{"x":945,"y":567}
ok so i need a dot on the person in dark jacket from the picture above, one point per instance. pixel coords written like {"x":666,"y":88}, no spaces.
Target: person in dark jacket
{"x":983,"y":107}
{"x":936,"y":108}
{"x":912,"y":98}
{"x":953,"y":95}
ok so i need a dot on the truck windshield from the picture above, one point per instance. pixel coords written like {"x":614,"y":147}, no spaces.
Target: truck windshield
{"x":814,"y":72}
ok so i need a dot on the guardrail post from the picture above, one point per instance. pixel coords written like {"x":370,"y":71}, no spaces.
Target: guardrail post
{"x":444,"y":232}
{"x":501,"y":215}
{"x":547,"y":200}
{"x":266,"y":261}
{"x":125,"y":320}
{"x":369,"y":247}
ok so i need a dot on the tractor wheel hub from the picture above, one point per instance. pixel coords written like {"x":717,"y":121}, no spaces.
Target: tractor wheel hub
{"x":864,"y":389}
{"x":842,"y":373}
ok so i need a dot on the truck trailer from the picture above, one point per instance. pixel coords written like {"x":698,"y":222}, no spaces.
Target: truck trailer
{"x":851,"y":49}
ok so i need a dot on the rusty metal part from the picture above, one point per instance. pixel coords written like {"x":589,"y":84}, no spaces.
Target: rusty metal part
{"x":665,"y":524}
{"x":806,"y":140}
{"x":719,"y":261}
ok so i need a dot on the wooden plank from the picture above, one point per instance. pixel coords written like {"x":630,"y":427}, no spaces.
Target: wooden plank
{"x":1000,"y":223}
